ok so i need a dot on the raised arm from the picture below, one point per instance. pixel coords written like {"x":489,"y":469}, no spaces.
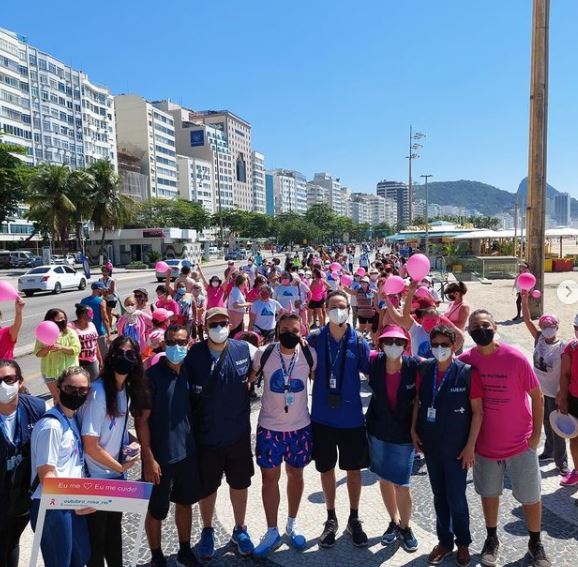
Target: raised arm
{"x":530,"y":325}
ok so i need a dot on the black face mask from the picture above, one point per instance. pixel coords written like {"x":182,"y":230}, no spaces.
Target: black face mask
{"x":482,"y":336}
{"x":121,"y":364}
{"x":71,"y":401}
{"x":289,"y":340}
{"x":62,"y":324}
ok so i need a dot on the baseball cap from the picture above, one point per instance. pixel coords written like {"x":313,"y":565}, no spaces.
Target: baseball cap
{"x":214,"y":311}
{"x":97,"y":285}
{"x":141,"y":290}
{"x":364,"y":279}
{"x":161,"y":314}
{"x":392,"y":332}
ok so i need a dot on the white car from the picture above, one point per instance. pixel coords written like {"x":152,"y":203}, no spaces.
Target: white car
{"x":175,"y":265}
{"x":50,"y":278}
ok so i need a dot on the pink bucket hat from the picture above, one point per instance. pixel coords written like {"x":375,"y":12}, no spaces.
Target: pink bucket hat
{"x":393,"y":332}
{"x":548,"y":321}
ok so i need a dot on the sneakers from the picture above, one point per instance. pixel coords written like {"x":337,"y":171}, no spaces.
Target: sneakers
{"x":408,"y":540}
{"x":543,"y":457}
{"x":241,"y":539}
{"x":327,"y":538}
{"x":490,"y":552}
{"x":358,"y":536}
{"x":206,"y":545}
{"x":160,"y":561}
{"x":438,"y":555}
{"x":296,"y":540}
{"x":187,"y":559}
{"x":538,"y":555}
{"x":269,"y":542}
{"x":391,"y":534}
{"x":571,"y":479}
{"x":463,"y":558}
{"x":563,"y":469}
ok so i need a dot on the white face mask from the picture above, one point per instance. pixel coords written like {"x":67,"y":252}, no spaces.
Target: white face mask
{"x":8,"y":392}
{"x":338,"y":316}
{"x":549,"y":332}
{"x":441,"y":353}
{"x":393,"y":351}
{"x":130,"y":309}
{"x":219,"y":334}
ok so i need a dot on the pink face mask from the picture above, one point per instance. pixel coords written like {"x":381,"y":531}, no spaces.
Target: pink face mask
{"x":428,"y":324}
{"x":285,"y":281}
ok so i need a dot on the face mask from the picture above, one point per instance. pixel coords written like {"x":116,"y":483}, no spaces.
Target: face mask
{"x":429,"y":324}
{"x":122,"y":365}
{"x":289,"y":340}
{"x":285,"y":281}
{"x":176,"y":353}
{"x":215,"y":284}
{"x":393,"y":351}
{"x":373,"y":278}
{"x":549,"y":332}
{"x":482,"y":336}
{"x":219,"y":334}
{"x":441,"y":353}
{"x":180,"y":292}
{"x":130,"y":309}
{"x":71,"y":401}
{"x":62,"y":324}
{"x":8,"y":392}
{"x":338,"y":316}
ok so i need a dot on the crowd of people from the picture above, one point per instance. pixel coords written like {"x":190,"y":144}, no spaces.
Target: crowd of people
{"x":187,"y":364}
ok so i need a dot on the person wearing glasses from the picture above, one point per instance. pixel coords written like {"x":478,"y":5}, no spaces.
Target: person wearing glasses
{"x":392,"y":378}
{"x":164,"y":429}
{"x":446,"y":424}
{"x":18,"y":414}
{"x":103,"y":423}
{"x":217,"y":371}
{"x":56,"y":451}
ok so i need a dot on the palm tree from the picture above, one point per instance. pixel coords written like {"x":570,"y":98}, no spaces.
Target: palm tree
{"x":111,"y":209}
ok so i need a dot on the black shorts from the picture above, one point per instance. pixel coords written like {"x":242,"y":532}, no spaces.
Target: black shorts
{"x":316,"y":304}
{"x":573,"y":405}
{"x":235,"y":461}
{"x":111,"y":304}
{"x":351,"y":444}
{"x":180,"y":484}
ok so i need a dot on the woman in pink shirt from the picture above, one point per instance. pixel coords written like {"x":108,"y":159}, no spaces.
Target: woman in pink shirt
{"x":165,"y":301}
{"x":215,"y":290}
{"x":9,"y":335}
{"x":316,"y":307}
{"x":458,"y":310}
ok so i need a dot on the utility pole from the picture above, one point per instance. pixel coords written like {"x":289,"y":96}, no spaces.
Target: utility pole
{"x":219,"y":193}
{"x":413,"y":146}
{"x":426,"y":177}
{"x":516,"y":229}
{"x":536,"y":212}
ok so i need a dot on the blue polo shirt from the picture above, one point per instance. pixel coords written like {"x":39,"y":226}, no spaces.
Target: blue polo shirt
{"x":349,"y":413}
{"x":94,"y":303}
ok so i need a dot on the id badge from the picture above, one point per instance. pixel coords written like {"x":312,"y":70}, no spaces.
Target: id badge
{"x":333,"y":400}
{"x":11,"y":464}
{"x":290,"y":399}
{"x":431,"y":415}
{"x":333,"y":383}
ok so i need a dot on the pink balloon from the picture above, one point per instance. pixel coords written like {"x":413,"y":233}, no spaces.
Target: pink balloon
{"x":393,"y":285}
{"x":335,"y":267}
{"x":526,"y":281}
{"x":7,"y":292}
{"x":422,"y":292}
{"x":418,"y":267}
{"x":536,"y":294}
{"x":360,"y":272}
{"x":47,"y":333}
{"x":346,"y":280}
{"x":161,"y":266}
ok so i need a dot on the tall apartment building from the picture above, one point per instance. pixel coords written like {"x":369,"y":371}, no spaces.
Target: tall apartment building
{"x":52,"y":110}
{"x":195,"y":181}
{"x":562,"y":215}
{"x":372,"y":209}
{"x":289,"y":191}
{"x":148,"y":134}
{"x":338,"y":195}
{"x":390,"y":209}
{"x":316,"y":195}
{"x":134,"y":183}
{"x":398,"y":192}
{"x":360,"y":211}
{"x":258,"y":168}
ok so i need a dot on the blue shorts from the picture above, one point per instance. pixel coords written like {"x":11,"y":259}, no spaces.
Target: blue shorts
{"x":274,"y":447}
{"x":391,"y":461}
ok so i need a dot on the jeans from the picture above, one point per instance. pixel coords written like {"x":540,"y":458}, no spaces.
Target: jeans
{"x":65,"y":540}
{"x":10,"y":533}
{"x":448,"y":483}
{"x":555,"y":446}
{"x":105,"y":532}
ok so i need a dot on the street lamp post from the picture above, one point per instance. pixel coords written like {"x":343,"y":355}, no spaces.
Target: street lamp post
{"x":413,"y":147}
{"x":426,"y":177}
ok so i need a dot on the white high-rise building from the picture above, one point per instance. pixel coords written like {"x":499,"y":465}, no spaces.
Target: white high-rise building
{"x":258,"y":168}
{"x":373,"y":209}
{"x":195,"y":179}
{"x":398,"y":192}
{"x":390,"y":212}
{"x":316,"y":195}
{"x":289,"y":191}
{"x":360,"y":211}
{"x":149,"y":134}
{"x":338,"y":195}
{"x":51,"y":109}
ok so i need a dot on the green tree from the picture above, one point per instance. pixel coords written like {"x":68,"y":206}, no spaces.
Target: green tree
{"x":12,"y":179}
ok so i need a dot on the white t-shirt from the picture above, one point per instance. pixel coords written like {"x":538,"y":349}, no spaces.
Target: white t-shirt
{"x":418,"y":336}
{"x":265,"y":313}
{"x":54,"y":444}
{"x":286,"y":296}
{"x":272,"y":415}
{"x":548,"y":364}
{"x":236,"y":296}
{"x":8,"y":424}
{"x":96,"y":422}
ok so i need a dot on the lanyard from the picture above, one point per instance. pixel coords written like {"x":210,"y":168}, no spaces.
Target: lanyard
{"x":435,"y":388}
{"x":289,"y":398}
{"x":76,"y":435}
{"x":333,"y":380}
{"x":6,"y":432}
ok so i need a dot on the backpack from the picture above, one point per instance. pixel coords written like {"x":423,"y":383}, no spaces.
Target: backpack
{"x":267,"y":353}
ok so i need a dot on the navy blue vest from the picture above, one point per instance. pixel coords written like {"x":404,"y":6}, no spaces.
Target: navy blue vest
{"x":448,"y":435}
{"x":391,"y":426}
{"x":220,"y":400}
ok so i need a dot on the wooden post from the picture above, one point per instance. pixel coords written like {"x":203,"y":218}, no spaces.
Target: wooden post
{"x":537,"y":158}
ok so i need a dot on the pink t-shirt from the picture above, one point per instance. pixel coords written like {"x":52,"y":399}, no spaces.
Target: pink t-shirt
{"x":169,"y":305}
{"x":215,"y":297}
{"x":572,"y":351}
{"x":6,"y":344}
{"x":392,"y":382}
{"x":88,"y":341}
{"x":272,"y":415}
{"x":503,"y":380}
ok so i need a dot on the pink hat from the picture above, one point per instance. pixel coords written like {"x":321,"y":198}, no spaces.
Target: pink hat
{"x":392,"y":332}
{"x":162,"y":315}
{"x":548,"y":321}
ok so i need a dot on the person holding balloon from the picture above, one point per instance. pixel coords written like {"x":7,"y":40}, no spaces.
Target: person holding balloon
{"x":9,"y":335}
{"x":522,"y":269}
{"x":57,"y":346}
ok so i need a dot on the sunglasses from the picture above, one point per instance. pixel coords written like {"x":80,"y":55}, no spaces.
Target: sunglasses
{"x":217,"y":324}
{"x":74,"y":391}
{"x":443,"y":345}
{"x":180,"y":342}
{"x":9,"y":379}
{"x":131,"y":354}
{"x":396,"y":342}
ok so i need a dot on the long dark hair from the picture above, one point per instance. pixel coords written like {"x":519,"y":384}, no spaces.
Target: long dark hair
{"x":51,"y":313}
{"x":136,"y":388}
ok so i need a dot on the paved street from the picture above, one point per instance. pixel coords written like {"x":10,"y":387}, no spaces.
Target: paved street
{"x":560,"y":513}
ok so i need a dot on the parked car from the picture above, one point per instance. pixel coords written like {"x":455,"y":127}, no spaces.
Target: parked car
{"x":236,"y":255}
{"x":214,"y":251}
{"x":21,"y":258}
{"x":175,"y":264}
{"x":35,"y":261}
{"x":61,"y":260}
{"x":5,"y":259}
{"x":50,"y":278}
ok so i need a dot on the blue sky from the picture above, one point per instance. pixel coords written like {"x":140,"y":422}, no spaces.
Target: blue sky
{"x":333,"y":85}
